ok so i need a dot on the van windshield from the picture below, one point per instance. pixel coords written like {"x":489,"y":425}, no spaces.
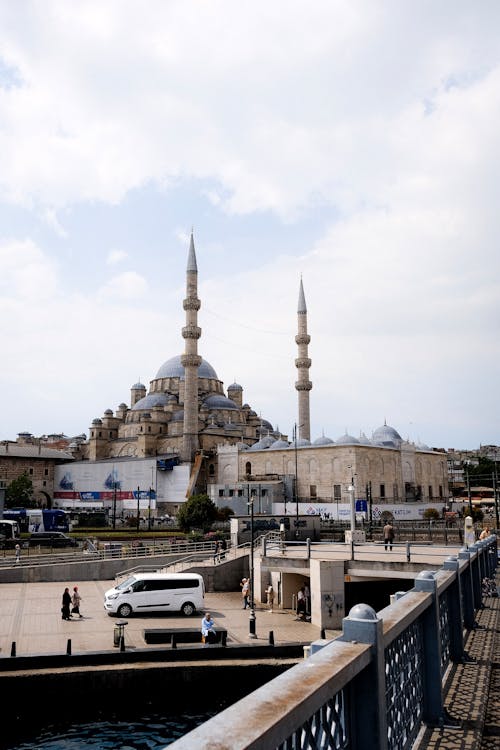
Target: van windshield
{"x":126,"y":583}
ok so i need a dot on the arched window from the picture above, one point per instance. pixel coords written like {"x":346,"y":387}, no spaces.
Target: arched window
{"x":211,"y":470}
{"x":248,"y":468}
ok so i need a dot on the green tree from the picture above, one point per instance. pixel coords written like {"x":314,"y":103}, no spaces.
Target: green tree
{"x":19,"y":493}
{"x":199,"y":512}
{"x":482,"y":474}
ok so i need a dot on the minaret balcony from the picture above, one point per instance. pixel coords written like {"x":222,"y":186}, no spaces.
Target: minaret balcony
{"x":303,"y":362}
{"x":303,"y":385}
{"x":302,"y":338}
{"x":191,"y":332}
{"x":190,"y":360}
{"x":191,"y":303}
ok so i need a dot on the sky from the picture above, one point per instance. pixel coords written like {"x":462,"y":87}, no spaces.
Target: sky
{"x":353,"y":144}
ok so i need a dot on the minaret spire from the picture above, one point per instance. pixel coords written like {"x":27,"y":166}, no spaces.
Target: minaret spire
{"x":191,"y":359}
{"x":303,"y":363}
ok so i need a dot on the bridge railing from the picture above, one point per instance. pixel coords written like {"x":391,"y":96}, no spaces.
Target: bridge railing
{"x":374,"y":686}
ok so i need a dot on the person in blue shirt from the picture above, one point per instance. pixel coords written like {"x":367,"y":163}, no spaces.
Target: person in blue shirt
{"x":208,"y":633}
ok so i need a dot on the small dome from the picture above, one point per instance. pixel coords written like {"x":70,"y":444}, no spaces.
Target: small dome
{"x":422,"y":447}
{"x":258,"y":446}
{"x":173,"y":368}
{"x":265,"y":427}
{"x":278,"y":444}
{"x":323,"y":440}
{"x":150,"y":401}
{"x":234,"y":387}
{"x":123,"y":406}
{"x":138,"y":387}
{"x":97,"y":421}
{"x":388,"y":436}
{"x":232,"y":426}
{"x":364,"y":440}
{"x":252,"y":413}
{"x":242,"y":446}
{"x":108,"y":412}
{"x":219,"y":402}
{"x":301,"y":443}
{"x":171,"y":399}
{"x":347,"y":440}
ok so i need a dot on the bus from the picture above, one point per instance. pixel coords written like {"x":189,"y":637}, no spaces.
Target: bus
{"x":38,"y":519}
{"x":9,"y":533}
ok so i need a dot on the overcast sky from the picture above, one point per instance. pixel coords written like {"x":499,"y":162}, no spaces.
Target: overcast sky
{"x":355,"y":143}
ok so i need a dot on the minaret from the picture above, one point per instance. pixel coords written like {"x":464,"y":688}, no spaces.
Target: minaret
{"x":191,"y":359}
{"x":303,"y":363}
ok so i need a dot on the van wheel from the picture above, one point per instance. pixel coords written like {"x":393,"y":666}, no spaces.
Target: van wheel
{"x":124,"y":610}
{"x":188,"y":609}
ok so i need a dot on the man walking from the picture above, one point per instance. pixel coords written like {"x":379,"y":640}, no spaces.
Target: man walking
{"x":388,"y":535}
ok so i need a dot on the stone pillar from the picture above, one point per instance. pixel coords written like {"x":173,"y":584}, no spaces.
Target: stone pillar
{"x":327,"y":593}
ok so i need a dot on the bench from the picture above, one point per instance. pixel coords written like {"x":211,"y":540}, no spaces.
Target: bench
{"x":181,"y":635}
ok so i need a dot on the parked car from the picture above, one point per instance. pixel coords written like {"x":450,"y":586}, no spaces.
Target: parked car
{"x":51,"y":539}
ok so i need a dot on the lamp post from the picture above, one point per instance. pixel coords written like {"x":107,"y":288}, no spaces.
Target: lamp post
{"x":251,"y":622}
{"x":352,"y":490}
{"x":114,"y":504}
{"x":495,"y":491}
{"x":149,"y":508}
{"x":138,"y":506}
{"x":296,"y":478}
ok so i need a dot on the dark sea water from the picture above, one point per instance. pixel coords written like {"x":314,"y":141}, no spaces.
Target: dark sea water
{"x":149,"y":732}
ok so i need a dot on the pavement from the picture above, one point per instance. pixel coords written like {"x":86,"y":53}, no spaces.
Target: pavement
{"x":30,"y":618}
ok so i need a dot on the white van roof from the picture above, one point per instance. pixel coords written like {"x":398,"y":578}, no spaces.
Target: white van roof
{"x":141,"y":576}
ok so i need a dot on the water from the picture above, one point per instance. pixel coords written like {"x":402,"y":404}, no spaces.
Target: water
{"x":149,"y":732}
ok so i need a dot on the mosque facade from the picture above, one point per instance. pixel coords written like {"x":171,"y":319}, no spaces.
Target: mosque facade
{"x":215,"y":442}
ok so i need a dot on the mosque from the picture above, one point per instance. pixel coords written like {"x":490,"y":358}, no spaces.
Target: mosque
{"x":213,"y":442}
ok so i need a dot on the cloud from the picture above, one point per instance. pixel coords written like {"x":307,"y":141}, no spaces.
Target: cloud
{"x":116,"y":256}
{"x":128,"y":286}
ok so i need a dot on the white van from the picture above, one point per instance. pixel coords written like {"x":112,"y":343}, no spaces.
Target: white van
{"x":156,"y":592}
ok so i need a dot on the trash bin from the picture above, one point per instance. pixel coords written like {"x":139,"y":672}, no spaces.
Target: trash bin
{"x":119,"y":632}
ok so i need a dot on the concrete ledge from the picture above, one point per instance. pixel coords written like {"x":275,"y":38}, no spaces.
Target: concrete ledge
{"x":198,"y":652}
{"x":185,"y":635}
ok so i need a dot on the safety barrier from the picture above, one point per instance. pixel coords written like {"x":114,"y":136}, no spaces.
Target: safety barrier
{"x":373,"y":687}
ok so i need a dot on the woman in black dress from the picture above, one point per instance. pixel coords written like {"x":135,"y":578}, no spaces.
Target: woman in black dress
{"x":66,"y":604}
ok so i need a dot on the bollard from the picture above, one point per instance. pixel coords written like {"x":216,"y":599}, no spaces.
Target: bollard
{"x":322,"y":634}
{"x":173,"y":641}
{"x":223,"y":638}
{"x":68,"y":647}
{"x":271,"y":638}
{"x":13,"y":649}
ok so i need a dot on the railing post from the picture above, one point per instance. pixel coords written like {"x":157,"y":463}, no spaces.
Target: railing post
{"x":476,"y":576}
{"x":467,"y":589}
{"x":455,"y":610}
{"x":264,"y":547}
{"x":369,"y":715}
{"x":308,"y":543}
{"x":433,"y":712}
{"x":408,"y":552}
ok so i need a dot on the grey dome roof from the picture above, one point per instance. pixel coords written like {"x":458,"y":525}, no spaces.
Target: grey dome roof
{"x":387,"y":435}
{"x":139,"y":387}
{"x":301,"y":443}
{"x":109,"y":412}
{"x":347,"y":440}
{"x":232,"y":426}
{"x":171,"y":399}
{"x":173,"y":368}
{"x":258,"y":446}
{"x":150,"y":401}
{"x":178,"y":416}
{"x":364,"y":440}
{"x":97,"y":421}
{"x":219,"y":402}
{"x":123,"y":406}
{"x":278,"y":444}
{"x":234,"y":387}
{"x":323,"y":440}
{"x":242,"y":446}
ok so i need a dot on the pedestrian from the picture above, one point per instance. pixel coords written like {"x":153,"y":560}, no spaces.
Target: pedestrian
{"x":270,"y":596}
{"x":66,"y":604}
{"x":18,"y":552}
{"x":307,"y":596}
{"x":75,"y":601}
{"x":388,"y":535}
{"x":208,"y":633}
{"x":223,"y":548}
{"x":301,"y":604}
{"x":484,"y":533}
{"x":216,"y":551}
{"x":245,"y":591}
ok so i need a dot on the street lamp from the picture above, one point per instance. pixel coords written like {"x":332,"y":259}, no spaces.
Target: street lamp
{"x":296,"y":478}
{"x":138,"y":506}
{"x":251,"y":622}
{"x":149,"y":508}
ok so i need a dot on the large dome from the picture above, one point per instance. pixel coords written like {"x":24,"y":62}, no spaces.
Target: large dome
{"x":150,"y":401}
{"x":173,"y":368}
{"x":387,"y":435}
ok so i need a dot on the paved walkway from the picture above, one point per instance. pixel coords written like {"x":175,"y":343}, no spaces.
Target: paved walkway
{"x":30,"y":617}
